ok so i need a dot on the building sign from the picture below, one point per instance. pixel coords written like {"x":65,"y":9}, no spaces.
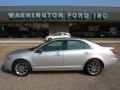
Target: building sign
{"x":56,"y":15}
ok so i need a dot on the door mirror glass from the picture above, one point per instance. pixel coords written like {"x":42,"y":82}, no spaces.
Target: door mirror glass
{"x":38,"y":51}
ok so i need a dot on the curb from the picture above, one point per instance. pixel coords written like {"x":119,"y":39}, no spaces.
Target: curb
{"x":26,"y":42}
{"x":106,"y":41}
{"x":37,"y":42}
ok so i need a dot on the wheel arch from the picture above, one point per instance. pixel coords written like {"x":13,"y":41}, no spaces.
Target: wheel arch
{"x":94,"y":59}
{"x":20,"y":59}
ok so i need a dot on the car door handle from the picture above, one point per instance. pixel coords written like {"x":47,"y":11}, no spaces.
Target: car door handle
{"x":86,"y":53}
{"x":57,"y":54}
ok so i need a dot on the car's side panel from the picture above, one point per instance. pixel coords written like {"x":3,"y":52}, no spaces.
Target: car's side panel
{"x":48,"y":60}
{"x":22,"y":56}
{"x":75,"y":59}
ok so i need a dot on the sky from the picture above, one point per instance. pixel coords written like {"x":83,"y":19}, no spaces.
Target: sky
{"x":114,"y":3}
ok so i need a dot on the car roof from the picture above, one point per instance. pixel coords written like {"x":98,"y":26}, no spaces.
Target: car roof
{"x":61,"y":32}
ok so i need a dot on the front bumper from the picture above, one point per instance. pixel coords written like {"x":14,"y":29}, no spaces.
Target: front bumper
{"x":7,"y":65}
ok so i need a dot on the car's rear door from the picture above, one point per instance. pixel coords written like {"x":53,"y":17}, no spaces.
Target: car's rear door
{"x":76,"y":54}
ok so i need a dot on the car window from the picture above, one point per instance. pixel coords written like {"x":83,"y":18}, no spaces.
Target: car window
{"x":75,"y":44}
{"x":54,"y":46}
{"x":65,"y":34}
{"x":57,"y":34}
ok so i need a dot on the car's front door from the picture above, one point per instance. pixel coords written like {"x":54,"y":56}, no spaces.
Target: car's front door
{"x":76,"y":53}
{"x":51,"y":57}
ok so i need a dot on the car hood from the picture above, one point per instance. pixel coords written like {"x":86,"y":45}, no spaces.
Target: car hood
{"x":20,"y":51}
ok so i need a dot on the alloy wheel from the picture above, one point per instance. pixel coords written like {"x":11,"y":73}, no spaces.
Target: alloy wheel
{"x":94,"y":67}
{"x":21,"y":68}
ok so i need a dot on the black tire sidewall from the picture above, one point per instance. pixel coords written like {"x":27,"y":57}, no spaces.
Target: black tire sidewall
{"x":49,"y":39}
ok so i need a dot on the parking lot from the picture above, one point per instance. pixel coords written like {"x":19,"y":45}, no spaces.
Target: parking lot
{"x":109,"y":79}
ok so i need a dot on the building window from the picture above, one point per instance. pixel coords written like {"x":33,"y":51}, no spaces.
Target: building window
{"x":95,"y":30}
{"x":24,"y":30}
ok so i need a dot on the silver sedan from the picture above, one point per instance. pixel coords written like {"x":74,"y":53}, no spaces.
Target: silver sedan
{"x":61,"y":54}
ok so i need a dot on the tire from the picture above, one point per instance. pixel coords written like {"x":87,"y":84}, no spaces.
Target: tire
{"x":21,"y":68}
{"x":93,"y":67}
{"x":49,"y":39}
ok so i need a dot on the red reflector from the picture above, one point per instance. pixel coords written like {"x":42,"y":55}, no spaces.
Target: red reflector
{"x":113,"y":50}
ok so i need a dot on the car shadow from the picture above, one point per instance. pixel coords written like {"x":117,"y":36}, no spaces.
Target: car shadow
{"x":49,"y":72}
{"x":59,"y":72}
{"x":3,"y":70}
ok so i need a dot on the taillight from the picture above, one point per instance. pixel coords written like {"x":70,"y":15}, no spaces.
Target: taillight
{"x":113,"y":50}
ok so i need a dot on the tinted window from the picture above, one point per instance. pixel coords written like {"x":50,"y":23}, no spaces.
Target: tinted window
{"x":54,"y":46}
{"x":57,"y":34}
{"x":65,"y":34}
{"x":74,"y":44}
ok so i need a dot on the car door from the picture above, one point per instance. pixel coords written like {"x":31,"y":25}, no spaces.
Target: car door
{"x":51,"y":56}
{"x":76,"y":54}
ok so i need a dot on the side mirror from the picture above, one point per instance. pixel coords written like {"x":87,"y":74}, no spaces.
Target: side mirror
{"x":38,"y":51}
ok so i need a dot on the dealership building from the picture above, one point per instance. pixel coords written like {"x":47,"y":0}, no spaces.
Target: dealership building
{"x":40,"y":21}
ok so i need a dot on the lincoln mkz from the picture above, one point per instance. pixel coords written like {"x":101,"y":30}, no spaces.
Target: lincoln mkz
{"x":61,"y":54}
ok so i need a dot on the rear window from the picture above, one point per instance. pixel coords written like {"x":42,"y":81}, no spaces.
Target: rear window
{"x":75,"y":44}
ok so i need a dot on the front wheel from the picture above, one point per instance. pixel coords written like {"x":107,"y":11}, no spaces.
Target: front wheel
{"x":93,"y":67}
{"x":21,"y":68}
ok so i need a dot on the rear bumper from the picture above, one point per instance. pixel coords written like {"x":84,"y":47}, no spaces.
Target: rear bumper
{"x":110,"y":62}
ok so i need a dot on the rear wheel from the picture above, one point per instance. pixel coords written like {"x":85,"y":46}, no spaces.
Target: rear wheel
{"x":93,"y":67}
{"x":49,"y":39}
{"x":21,"y":68}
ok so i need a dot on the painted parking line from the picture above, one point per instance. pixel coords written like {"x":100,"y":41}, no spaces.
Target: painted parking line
{"x":106,"y":41}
